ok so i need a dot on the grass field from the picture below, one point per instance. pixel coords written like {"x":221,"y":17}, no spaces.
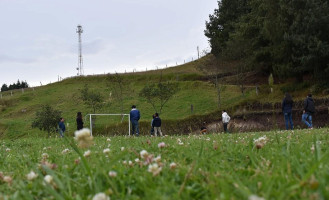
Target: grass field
{"x":284,"y":165}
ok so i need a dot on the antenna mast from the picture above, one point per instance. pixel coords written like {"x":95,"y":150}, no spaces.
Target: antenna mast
{"x":80,"y":62}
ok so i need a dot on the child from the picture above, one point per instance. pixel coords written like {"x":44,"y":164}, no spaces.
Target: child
{"x":157,"y":124}
{"x":226,"y":119}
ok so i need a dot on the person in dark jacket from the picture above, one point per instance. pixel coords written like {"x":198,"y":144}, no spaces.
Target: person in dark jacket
{"x":134,"y":118}
{"x":61,"y":127}
{"x":309,"y":110}
{"x":287,"y":104}
{"x":79,"y":121}
{"x":157,"y":125}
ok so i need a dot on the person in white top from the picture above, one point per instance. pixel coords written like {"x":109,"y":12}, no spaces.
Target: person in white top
{"x":226,"y":119}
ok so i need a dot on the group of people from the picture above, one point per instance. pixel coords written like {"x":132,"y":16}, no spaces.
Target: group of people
{"x":308,"y":111}
{"x":287,"y":107}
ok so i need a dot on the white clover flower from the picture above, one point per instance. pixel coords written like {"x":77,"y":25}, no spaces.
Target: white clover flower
{"x":83,"y":137}
{"x":208,"y":139}
{"x":130,"y":163}
{"x":122,"y":148}
{"x":31,"y":176}
{"x":87,"y":153}
{"x":157,"y":159}
{"x":144,"y":154}
{"x":260,"y":142}
{"x":173,"y":165}
{"x":161,"y":145}
{"x":65,"y":151}
{"x":124,"y":162}
{"x":108,"y":139}
{"x":112,"y":174}
{"x":312,"y":148}
{"x":101,"y":196}
{"x":8,"y":150}
{"x":7,"y":179}
{"x":181,"y":143}
{"x":255,"y":197}
{"x":45,"y":156}
{"x":137,"y":160}
{"x":48,"y":179}
{"x":154,"y":169}
{"x":106,"y":151}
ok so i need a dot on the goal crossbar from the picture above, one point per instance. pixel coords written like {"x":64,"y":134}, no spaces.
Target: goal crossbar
{"x":91,"y":125}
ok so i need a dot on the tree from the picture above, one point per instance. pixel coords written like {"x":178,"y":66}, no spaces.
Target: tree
{"x":159,"y":94}
{"x":4,"y":88}
{"x":46,"y":119}
{"x":92,"y":99}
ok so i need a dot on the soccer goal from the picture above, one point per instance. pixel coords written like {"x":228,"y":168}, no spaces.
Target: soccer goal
{"x":122,"y":116}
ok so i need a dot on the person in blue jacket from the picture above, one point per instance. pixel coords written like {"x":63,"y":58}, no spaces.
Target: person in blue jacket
{"x":134,"y":118}
{"x":287,"y":104}
{"x":61,"y":127}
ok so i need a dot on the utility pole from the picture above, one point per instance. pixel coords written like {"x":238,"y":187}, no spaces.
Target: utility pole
{"x":80,"y":62}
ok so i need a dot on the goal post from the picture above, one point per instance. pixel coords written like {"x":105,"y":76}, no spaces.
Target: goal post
{"x":91,"y":125}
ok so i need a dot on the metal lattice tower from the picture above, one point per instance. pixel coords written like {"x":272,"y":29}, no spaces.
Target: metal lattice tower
{"x":80,"y":62}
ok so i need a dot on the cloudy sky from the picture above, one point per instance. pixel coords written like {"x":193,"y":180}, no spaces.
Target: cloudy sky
{"x":38,"y":39}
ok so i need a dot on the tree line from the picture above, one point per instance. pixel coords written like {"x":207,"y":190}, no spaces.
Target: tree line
{"x":18,"y":85}
{"x":288,"y":38}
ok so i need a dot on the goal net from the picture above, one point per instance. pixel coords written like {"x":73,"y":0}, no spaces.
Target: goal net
{"x":105,"y":122}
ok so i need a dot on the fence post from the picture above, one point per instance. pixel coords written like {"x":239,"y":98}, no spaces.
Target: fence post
{"x":11,"y":93}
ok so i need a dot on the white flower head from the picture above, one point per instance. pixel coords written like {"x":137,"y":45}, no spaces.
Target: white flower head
{"x":173,"y":165}
{"x":112,"y":174}
{"x":108,"y":139}
{"x":7,"y":179}
{"x":157,"y":159}
{"x":154,"y":169}
{"x":130,"y":163}
{"x":83,"y":137}
{"x":8,"y":150}
{"x":31,"y":176}
{"x":65,"y":151}
{"x":106,"y":151}
{"x":144,"y":154}
{"x":255,"y":197}
{"x":137,"y":160}
{"x":48,"y":179}
{"x":87,"y":153}
{"x":122,"y":148}
{"x":101,"y":196}
{"x":45,"y":156}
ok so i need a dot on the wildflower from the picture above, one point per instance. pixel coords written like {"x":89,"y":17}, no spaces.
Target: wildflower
{"x":8,"y":150}
{"x":45,"y":156}
{"x":173,"y":165}
{"x":87,"y":153}
{"x":255,"y":197}
{"x":161,"y":145}
{"x":124,"y":162}
{"x":83,"y":137}
{"x":144,"y":154}
{"x":77,"y":161}
{"x":260,"y":142}
{"x":101,"y":196}
{"x":154,"y":169}
{"x":313,"y":148}
{"x":208,"y":139}
{"x":122,"y":148}
{"x":48,"y":179}
{"x":157,"y":159}
{"x":112,"y":174}
{"x":108,"y":139}
{"x":181,"y":143}
{"x":7,"y":179}
{"x":106,"y":151}
{"x":130,"y":163}
{"x":65,"y":151}
{"x":137,"y":160}
{"x":31,"y":176}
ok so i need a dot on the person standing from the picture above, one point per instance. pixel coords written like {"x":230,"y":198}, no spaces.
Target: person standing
{"x":287,"y":104}
{"x":157,"y":125}
{"x":225,"y":119}
{"x":61,"y":127}
{"x":134,"y":118}
{"x":79,"y":121}
{"x":152,"y":128}
{"x":309,"y":110}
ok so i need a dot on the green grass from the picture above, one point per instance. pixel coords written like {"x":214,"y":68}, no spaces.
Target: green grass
{"x":218,"y":166}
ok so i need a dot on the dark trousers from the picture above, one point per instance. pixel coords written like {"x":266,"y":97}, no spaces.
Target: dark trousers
{"x":225,"y":127}
{"x":135,"y":128}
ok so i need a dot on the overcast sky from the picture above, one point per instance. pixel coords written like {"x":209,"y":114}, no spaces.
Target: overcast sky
{"x":38,"y":39}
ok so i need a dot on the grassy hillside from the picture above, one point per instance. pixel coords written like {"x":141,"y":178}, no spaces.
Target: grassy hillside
{"x":195,"y":88}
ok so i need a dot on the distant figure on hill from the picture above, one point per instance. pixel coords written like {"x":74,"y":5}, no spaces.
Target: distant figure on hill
{"x":157,"y":125}
{"x":79,"y":121}
{"x":226,"y":119}
{"x":61,"y":126}
{"x":309,"y":110}
{"x":134,"y":118}
{"x":152,"y":128}
{"x":287,"y":104}
{"x":203,"y":129}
